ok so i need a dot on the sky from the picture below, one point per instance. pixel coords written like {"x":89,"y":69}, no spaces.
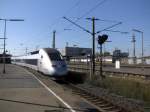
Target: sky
{"x":42,"y":17}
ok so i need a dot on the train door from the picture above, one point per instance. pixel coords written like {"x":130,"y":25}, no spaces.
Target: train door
{"x":40,"y":63}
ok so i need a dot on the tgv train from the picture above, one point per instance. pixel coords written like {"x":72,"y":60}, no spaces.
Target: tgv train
{"x":47,"y":60}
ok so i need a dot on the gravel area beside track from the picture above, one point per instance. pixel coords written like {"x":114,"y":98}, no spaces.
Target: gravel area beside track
{"x":129,"y":104}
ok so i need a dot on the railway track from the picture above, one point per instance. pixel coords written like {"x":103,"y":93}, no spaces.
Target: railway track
{"x":110,"y":64}
{"x":85,"y":69}
{"x":101,"y":104}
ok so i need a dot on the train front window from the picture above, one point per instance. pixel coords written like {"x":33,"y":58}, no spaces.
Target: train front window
{"x":55,"y":56}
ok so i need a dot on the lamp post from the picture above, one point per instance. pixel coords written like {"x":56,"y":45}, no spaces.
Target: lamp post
{"x":142,"y":43}
{"x":4,"y":55}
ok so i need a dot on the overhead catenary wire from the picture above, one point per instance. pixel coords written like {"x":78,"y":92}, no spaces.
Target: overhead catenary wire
{"x":66,"y":13}
{"x":122,"y":32}
{"x":109,"y":27}
{"x":88,"y":12}
{"x":106,"y":20}
{"x":77,"y":25}
{"x":57,"y":20}
{"x":92,"y":9}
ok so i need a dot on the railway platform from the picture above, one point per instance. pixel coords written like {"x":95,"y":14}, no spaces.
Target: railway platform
{"x":21,"y":92}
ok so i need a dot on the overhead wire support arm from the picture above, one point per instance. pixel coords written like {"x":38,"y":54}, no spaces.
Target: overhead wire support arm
{"x":3,"y":38}
{"x":118,"y":31}
{"x":92,"y":18}
{"x":77,"y":25}
{"x":67,"y":29}
{"x":92,"y":9}
{"x":93,"y":40}
{"x":105,"y":29}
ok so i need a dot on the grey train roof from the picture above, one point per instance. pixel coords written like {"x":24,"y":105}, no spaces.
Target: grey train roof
{"x":48,"y":50}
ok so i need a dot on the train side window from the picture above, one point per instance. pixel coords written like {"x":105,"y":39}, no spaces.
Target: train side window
{"x":41,"y":56}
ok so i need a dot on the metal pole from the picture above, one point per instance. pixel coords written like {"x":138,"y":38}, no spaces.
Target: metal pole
{"x":133,"y":40}
{"x":104,"y":54}
{"x":101,"y":61}
{"x":26,"y":51}
{"x":4,"y":55}
{"x":142,"y":57}
{"x":93,"y":48}
{"x":101,"y":72}
{"x":142,"y":49}
{"x":53,"y":45}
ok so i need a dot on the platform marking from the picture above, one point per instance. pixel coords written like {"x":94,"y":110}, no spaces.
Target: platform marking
{"x":60,"y":99}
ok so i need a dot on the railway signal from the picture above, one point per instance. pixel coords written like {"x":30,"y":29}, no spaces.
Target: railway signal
{"x":101,"y":40}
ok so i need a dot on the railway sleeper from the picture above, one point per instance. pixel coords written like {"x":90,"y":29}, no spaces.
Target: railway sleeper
{"x":118,"y":109}
{"x":105,"y":105}
{"x":109,"y":108}
{"x":74,"y":91}
{"x":80,"y":93}
{"x":96,"y":100}
{"x":115,"y":110}
{"x":91,"y":98}
{"x":100,"y":102}
{"x":86,"y":93}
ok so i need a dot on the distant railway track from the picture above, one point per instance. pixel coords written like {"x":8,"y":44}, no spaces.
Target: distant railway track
{"x":112,"y":65}
{"x":86,"y":69}
{"x":124,"y":74}
{"x":100,"y":103}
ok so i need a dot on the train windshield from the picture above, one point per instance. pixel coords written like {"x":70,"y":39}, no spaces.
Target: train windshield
{"x":55,"y":56}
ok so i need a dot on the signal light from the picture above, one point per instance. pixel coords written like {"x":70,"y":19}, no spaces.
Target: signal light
{"x":102,"y":39}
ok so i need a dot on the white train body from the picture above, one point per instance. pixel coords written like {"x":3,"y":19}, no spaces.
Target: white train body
{"x":47,"y":60}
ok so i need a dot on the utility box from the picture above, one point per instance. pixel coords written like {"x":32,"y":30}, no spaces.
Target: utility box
{"x":117,"y":64}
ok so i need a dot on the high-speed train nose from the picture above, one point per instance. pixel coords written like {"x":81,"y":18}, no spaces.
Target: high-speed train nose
{"x":59,"y":69}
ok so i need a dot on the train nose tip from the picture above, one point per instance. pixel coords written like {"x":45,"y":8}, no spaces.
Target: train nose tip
{"x":60,"y":72}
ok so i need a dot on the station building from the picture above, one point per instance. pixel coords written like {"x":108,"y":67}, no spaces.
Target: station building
{"x":69,"y":52}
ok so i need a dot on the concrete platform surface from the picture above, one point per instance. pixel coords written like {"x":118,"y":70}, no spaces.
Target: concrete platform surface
{"x":21,"y":92}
